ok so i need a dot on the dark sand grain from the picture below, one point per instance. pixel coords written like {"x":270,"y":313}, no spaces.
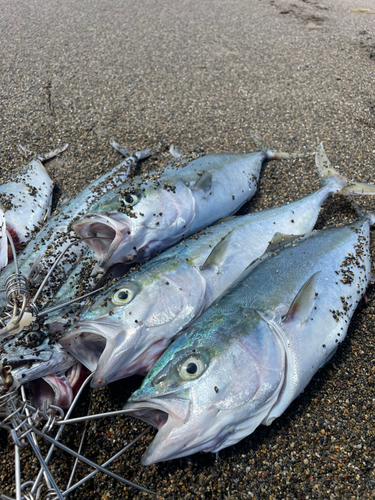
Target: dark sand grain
{"x":201,"y":74}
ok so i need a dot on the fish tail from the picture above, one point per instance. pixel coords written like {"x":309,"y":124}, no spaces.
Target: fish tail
{"x":328,"y":175}
{"x":275,"y":155}
{"x":281,"y":155}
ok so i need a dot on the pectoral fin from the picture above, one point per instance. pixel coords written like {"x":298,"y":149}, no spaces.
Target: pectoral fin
{"x":204,"y":183}
{"x":218,"y":254}
{"x":303,"y":301}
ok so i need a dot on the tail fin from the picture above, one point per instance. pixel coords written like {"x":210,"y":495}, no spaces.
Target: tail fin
{"x":275,"y":155}
{"x":280,"y":155}
{"x":329,"y":175}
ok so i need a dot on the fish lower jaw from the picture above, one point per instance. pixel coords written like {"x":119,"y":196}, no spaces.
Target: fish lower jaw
{"x":174,"y":441}
{"x":162,"y":448}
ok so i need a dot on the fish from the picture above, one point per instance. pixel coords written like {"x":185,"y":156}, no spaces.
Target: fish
{"x":57,"y":237}
{"x":126,"y":328}
{"x":245,"y":360}
{"x":25,"y":201}
{"x":149,"y":215}
{"x":34,"y":357}
{"x":59,"y":312}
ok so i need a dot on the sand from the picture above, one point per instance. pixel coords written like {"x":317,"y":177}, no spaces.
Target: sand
{"x":202,"y":75}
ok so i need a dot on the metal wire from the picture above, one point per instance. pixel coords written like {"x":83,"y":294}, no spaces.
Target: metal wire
{"x":22,"y":419}
{"x":17,"y":415}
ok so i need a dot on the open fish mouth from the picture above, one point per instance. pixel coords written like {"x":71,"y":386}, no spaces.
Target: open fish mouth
{"x":94,"y":345}
{"x":156,"y":411}
{"x":167,"y":414}
{"x":102,"y":234}
{"x":88,"y":341}
{"x":55,"y":389}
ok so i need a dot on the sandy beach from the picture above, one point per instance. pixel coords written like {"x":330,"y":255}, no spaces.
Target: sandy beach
{"x":204,"y":75}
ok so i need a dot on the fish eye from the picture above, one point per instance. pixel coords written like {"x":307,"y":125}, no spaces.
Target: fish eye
{"x":191,"y":368}
{"x":129,"y":200}
{"x":123,"y":296}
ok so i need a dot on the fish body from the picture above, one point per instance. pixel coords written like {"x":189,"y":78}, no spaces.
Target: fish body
{"x":130,"y":325}
{"x":56,"y":235}
{"x":82,"y":279}
{"x":148,"y":216}
{"x":243,"y":362}
{"x":25,"y":200}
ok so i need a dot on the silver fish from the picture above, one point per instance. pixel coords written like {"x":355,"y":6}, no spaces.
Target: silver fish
{"x":129,"y":326}
{"x":56,"y":236}
{"x":243,"y":362}
{"x":25,"y":200}
{"x":148,"y":216}
{"x":3,"y":241}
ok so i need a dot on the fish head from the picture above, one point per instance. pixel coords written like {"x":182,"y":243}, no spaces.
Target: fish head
{"x":210,"y":390}
{"x":30,"y":356}
{"x":133,"y":224}
{"x":128,"y":327}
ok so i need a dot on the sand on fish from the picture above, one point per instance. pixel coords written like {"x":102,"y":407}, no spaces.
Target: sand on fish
{"x":201,"y":75}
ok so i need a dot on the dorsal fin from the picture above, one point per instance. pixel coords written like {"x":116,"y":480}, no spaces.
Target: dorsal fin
{"x":204,"y":183}
{"x":217,"y":255}
{"x":279,"y":239}
{"x":303,"y":302}
{"x":328,"y":174}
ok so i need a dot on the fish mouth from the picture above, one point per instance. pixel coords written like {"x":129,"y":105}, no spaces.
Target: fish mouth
{"x":102,"y":347}
{"x":156,"y":411}
{"x":92,"y":343}
{"x":167,"y":414}
{"x":102,"y":234}
{"x":86,"y":343}
{"x":55,"y":389}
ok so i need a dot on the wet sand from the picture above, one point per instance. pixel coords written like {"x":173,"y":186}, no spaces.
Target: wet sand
{"x":201,"y":75}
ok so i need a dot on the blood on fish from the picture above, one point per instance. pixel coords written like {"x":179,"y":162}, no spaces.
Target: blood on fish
{"x":16,"y":242}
